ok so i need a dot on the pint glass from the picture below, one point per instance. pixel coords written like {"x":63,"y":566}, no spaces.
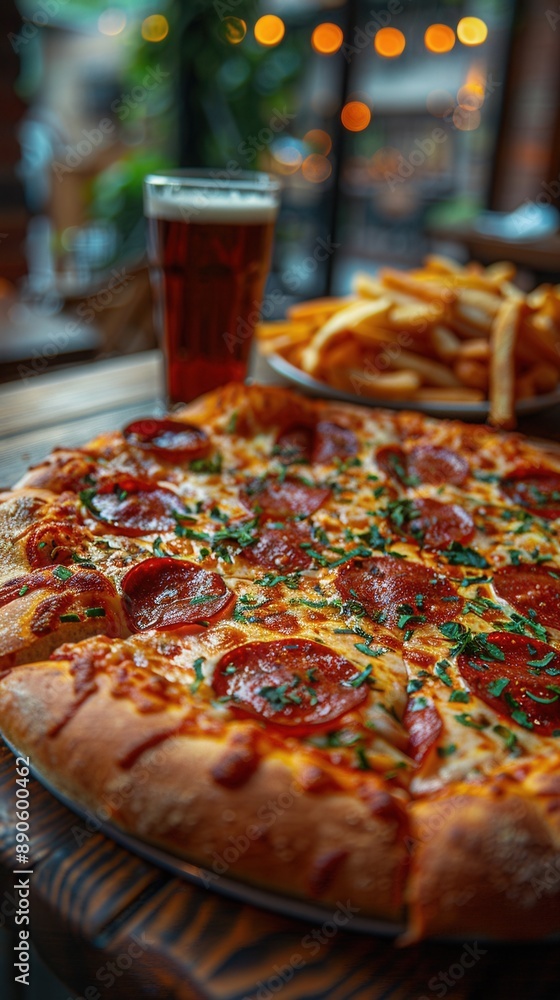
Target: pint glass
{"x":209,"y":247}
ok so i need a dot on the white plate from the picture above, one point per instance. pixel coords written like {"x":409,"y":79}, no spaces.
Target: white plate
{"x":461,"y":411}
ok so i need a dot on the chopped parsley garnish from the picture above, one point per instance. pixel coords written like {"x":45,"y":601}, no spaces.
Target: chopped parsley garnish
{"x":544,"y":661}
{"x":82,"y":561}
{"x":157,"y":548}
{"x":418,"y":704}
{"x":414,"y":685}
{"x":447,"y":751}
{"x":467,"y":720}
{"x":374,"y":538}
{"x":281,"y":695}
{"x":363,"y":648}
{"x":497,"y":686}
{"x":203,"y":599}
{"x":397,"y":466}
{"x":198,"y":675}
{"x":211,"y":465}
{"x":400,"y":512}
{"x":509,"y":738}
{"x":471,"y":643}
{"x":363,"y":762}
{"x":460,"y":695}
{"x":360,"y":678}
{"x":545,"y":701}
{"x":23,"y":590}
{"x":292,"y":580}
{"x":519,"y":624}
{"x":440,"y":670}
{"x":521,"y":719}
{"x":62,"y":572}
{"x":232,"y":423}
{"x":462,"y":555}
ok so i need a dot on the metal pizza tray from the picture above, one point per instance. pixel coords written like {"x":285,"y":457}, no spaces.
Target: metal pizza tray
{"x":243,"y":892}
{"x":206,"y":879}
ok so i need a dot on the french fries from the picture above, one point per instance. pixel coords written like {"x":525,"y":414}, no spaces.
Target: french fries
{"x":440,"y":333}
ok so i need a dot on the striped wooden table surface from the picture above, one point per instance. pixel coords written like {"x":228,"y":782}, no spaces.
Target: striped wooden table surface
{"x":110,"y":924}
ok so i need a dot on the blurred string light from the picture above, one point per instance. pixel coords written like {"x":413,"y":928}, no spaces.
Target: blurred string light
{"x":472,"y":31}
{"x":439,"y":38}
{"x":466,"y":121}
{"x":316,"y":168}
{"x":319,"y":140}
{"x":155,"y":28}
{"x":287,"y":155}
{"x":389,"y":42}
{"x":327,"y":38}
{"x":112,"y":21}
{"x":234,"y":30}
{"x":355,"y":116}
{"x":269,"y":30}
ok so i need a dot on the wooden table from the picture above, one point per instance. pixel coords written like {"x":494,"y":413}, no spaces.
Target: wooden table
{"x":108,"y":923}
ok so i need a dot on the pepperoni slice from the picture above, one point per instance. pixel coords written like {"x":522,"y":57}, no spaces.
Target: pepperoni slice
{"x":57,"y":579}
{"x":392,"y":460}
{"x":436,"y":525}
{"x":536,"y":489}
{"x":333,"y":441}
{"x":424,"y":726}
{"x":531,"y":589}
{"x":322,"y":443}
{"x":385,"y":585}
{"x":170,"y":439}
{"x":523,"y":685}
{"x":132,"y":506}
{"x":281,"y":498}
{"x":435,"y":466}
{"x":52,"y":544}
{"x":280,"y":549}
{"x":169,"y":594}
{"x":289,"y":682}
{"x":295,"y":444}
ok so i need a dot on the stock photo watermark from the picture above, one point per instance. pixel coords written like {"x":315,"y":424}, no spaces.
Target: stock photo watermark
{"x":311,"y":945}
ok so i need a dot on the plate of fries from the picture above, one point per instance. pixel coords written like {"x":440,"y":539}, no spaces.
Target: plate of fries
{"x":445,"y":339}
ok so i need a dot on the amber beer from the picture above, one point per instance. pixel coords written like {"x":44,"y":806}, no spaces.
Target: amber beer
{"x":209,"y":246}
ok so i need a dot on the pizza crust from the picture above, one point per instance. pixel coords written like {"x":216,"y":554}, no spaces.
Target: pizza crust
{"x":328,"y":845}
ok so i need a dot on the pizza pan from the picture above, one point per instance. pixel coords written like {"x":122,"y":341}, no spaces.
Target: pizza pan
{"x":242,"y":892}
{"x":454,"y":410}
{"x":206,"y":879}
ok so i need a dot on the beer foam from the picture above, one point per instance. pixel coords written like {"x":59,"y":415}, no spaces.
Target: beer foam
{"x":183,"y":204}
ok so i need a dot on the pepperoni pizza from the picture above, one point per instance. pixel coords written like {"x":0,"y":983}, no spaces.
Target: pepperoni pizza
{"x":313,"y":646}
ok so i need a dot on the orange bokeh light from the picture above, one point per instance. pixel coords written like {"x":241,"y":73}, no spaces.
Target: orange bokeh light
{"x":472,"y":31}
{"x":466,"y":121}
{"x":439,"y":38}
{"x":316,"y":168}
{"x":319,"y":140}
{"x":355,"y":116}
{"x":234,"y":30}
{"x":389,"y":42}
{"x":155,"y":28}
{"x":470,"y":96}
{"x":269,"y":29}
{"x":327,"y":38}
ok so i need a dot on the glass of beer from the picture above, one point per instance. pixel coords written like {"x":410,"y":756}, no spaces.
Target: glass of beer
{"x":209,"y":248}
